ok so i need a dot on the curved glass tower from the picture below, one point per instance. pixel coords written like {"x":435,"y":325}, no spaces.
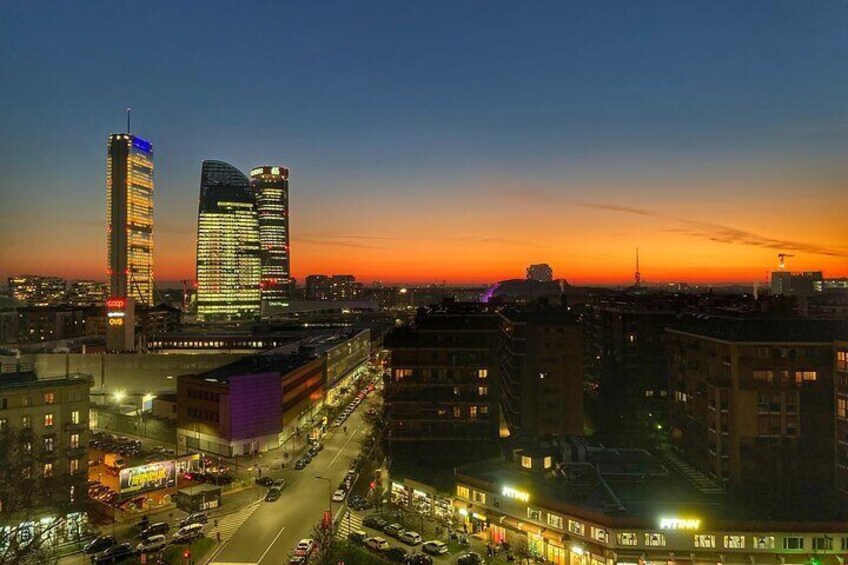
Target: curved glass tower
{"x":228,"y":254}
{"x":271,"y":189}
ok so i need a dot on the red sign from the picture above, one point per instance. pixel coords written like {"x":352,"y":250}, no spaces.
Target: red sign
{"x":116,"y":303}
{"x":327,"y":518}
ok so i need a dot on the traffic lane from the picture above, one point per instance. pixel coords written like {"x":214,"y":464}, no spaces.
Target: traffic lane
{"x":394,"y":542}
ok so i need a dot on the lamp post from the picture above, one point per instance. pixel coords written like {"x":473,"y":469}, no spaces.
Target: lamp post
{"x":329,"y":491}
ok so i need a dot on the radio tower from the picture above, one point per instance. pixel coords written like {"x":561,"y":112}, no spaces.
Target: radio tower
{"x":637,"y":276}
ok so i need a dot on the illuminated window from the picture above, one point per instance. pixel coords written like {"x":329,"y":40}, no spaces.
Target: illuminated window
{"x":26,"y":401}
{"x":763,"y":542}
{"x":766,"y":376}
{"x":48,"y":398}
{"x":401,"y":374}
{"x":482,"y":373}
{"x":704,"y":541}
{"x":478,"y":496}
{"x":74,"y":441}
{"x":547,"y":462}
{"x":73,"y":466}
{"x":48,"y":444}
{"x":457,"y":412}
{"x":599,"y":534}
{"x":627,"y":538}
{"x":482,"y":390}
{"x":805,"y":376}
{"x":484,"y":409}
{"x":576,"y":527}
{"x":463,"y":492}
{"x":47,"y":470}
{"x":842,"y":360}
{"x":472,"y":412}
{"x":655,"y":540}
{"x":734,"y":542}
{"x":75,"y":417}
{"x":555,"y":521}
{"x":3,"y":424}
{"x":48,"y":420}
{"x":534,"y":513}
{"x":526,"y":462}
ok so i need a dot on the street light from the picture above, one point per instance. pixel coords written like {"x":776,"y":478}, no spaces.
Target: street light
{"x":330,"y":491}
{"x":119,"y":396}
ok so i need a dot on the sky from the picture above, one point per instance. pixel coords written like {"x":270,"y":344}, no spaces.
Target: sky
{"x":442,"y":141}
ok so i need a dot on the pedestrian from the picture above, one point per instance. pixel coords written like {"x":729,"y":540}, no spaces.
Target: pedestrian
{"x":218,"y":536}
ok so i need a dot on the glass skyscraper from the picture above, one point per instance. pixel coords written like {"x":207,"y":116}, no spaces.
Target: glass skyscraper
{"x":129,"y":217}
{"x":271,"y":189}
{"x":228,"y":254}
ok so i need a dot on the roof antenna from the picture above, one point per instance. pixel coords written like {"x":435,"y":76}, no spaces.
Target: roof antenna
{"x":129,"y":111}
{"x":637,"y":276}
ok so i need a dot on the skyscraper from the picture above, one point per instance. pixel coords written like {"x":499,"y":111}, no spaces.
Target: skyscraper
{"x":271,"y":189}
{"x":228,"y":259}
{"x":129,"y":217}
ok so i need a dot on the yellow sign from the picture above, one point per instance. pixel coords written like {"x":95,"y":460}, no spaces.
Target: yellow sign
{"x":510,"y":492}
{"x":116,"y":321}
{"x":679,"y":523}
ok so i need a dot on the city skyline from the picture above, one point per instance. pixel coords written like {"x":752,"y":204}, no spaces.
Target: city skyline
{"x":710,"y":136}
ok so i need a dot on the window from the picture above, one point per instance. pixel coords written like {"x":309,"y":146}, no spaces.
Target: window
{"x":4,"y":403}
{"x":26,"y":422}
{"x":3,"y":424}
{"x":766,"y":376}
{"x":478,"y":496}
{"x":472,"y":412}
{"x":599,"y":534}
{"x":26,"y":401}
{"x":48,"y":398}
{"x":73,"y":466}
{"x":457,"y":412}
{"x":823,"y":544}
{"x":401,"y":374}
{"x":526,"y":462}
{"x":761,"y":352}
{"x":793,"y":543}
{"x":844,"y":541}
{"x":704,"y":541}
{"x":626,"y":538}
{"x":74,"y":441}
{"x":734,"y":542}
{"x":547,"y":462}
{"x":482,"y":390}
{"x":47,"y":470}
{"x":576,"y":527}
{"x":805,"y":376}
{"x":482,"y":373}
{"x":48,"y":420}
{"x":842,"y":361}
{"x":655,"y":540}
{"x":48,"y":444}
{"x":462,"y":491}
{"x":484,"y":409}
{"x":763,"y":542}
{"x":72,"y":492}
{"x":75,"y":417}
{"x":555,"y":521}
{"x":28,"y":446}
{"x":534,"y":513}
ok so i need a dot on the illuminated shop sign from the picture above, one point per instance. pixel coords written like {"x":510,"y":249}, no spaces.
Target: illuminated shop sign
{"x":516,"y":494}
{"x":142,"y":144}
{"x":257,"y":171}
{"x":116,"y":303}
{"x":148,"y":477}
{"x":116,"y":321}
{"x":680,"y":523}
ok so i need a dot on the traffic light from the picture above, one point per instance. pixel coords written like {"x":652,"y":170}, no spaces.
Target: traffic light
{"x":187,"y":553}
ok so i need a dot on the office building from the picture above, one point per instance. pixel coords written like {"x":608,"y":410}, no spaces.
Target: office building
{"x":36,"y":324}
{"x":541,"y":272}
{"x":271,"y":189}
{"x":784,"y":283}
{"x":228,"y":256}
{"x":129,"y":217}
{"x":87,"y":293}
{"x":37,"y":290}
{"x":752,"y":401}
{"x":441,"y":396}
{"x":334,"y":287}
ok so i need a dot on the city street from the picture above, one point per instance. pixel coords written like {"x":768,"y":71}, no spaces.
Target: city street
{"x":273,"y":530}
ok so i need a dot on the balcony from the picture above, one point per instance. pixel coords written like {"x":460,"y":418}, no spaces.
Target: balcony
{"x":78,"y":427}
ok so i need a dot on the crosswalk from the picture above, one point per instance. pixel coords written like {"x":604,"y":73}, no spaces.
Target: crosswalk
{"x":230,"y":523}
{"x":349,"y":522}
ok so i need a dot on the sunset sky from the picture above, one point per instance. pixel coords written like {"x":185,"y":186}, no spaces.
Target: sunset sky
{"x":431,"y":141}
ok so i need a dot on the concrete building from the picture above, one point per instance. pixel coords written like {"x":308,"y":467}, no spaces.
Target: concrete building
{"x":37,"y":290}
{"x":840,"y":367}
{"x":87,"y":293}
{"x":38,"y":324}
{"x":784,"y":283}
{"x":333,"y":287}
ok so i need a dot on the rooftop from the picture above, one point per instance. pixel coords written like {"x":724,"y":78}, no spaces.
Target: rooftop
{"x":254,"y":365}
{"x":772,"y":330}
{"x":27,"y":379}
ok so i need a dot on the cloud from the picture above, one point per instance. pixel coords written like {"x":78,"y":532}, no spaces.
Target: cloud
{"x":725,"y":234}
{"x":340,"y":240}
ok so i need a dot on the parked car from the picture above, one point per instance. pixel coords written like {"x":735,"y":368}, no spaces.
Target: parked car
{"x":420,"y":559}
{"x":410,"y":538}
{"x":115,"y":554}
{"x":98,"y":544}
{"x":339,"y":495}
{"x":374,"y":522}
{"x":394,"y":530}
{"x":435,"y":547}
{"x":304,"y":547}
{"x":358,"y":536}
{"x":377,"y":544}
{"x":273,"y":494}
{"x":397,"y":554}
{"x":280,"y":483}
{"x":470,"y":558}
{"x":196,"y":518}
{"x":301,"y":463}
{"x":152,"y":544}
{"x":265,"y":481}
{"x":188,"y":533}
{"x":154,"y":529}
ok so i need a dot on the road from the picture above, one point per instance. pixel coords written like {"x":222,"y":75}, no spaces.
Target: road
{"x":273,"y":530}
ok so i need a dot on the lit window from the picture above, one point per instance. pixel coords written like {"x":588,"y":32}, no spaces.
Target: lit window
{"x":599,"y":534}
{"x":627,"y":538}
{"x":472,"y":412}
{"x":482,"y":373}
{"x":457,"y":412}
{"x":805,"y":376}
{"x":555,"y":521}
{"x":547,"y":462}
{"x":48,"y":444}
{"x":74,"y":441}
{"x":47,"y":471}
{"x":73,"y":466}
{"x":478,"y":496}
{"x":534,"y":513}
{"x":734,"y":542}
{"x":526,"y":462}
{"x":763,"y":542}
{"x":75,"y":419}
{"x":576,"y":527}
{"x":766,"y":376}
{"x":655,"y":540}
{"x":704,"y":541}
{"x":462,"y":491}
{"x":48,"y":420}
{"x":48,"y":398}
{"x":482,"y":390}
{"x":842,"y":360}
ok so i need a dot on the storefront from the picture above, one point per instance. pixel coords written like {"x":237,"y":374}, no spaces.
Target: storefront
{"x":421,"y":498}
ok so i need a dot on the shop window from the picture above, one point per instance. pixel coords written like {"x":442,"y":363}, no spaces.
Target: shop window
{"x":599,"y":534}
{"x":654,"y":539}
{"x":734,"y":542}
{"x":627,"y":538}
{"x":763,"y":542}
{"x":576,"y":527}
{"x":793,"y":543}
{"x":704,"y":541}
{"x":526,"y":462}
{"x":823,"y":544}
{"x":555,"y":521}
{"x":534,"y":513}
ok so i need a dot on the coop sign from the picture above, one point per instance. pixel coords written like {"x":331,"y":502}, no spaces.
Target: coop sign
{"x":515,"y":494}
{"x":680,"y":524}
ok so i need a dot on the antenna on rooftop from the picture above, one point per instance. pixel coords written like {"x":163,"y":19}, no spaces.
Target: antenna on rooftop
{"x":637,"y":276}
{"x":129,"y":112}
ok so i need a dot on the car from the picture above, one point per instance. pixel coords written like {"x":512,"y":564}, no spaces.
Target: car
{"x":273,"y":494}
{"x":98,"y":544}
{"x":435,"y":547}
{"x":152,"y":544}
{"x":154,"y":529}
{"x":297,"y":560}
{"x":301,"y":463}
{"x":397,"y":554}
{"x":358,"y":536}
{"x":114,"y":554}
{"x":304,"y":547}
{"x":420,"y":559}
{"x":318,"y":445}
{"x":196,"y":518}
{"x":312,"y":453}
{"x":394,"y":530}
{"x":188,"y":533}
{"x":409,"y":537}
{"x":265,"y":481}
{"x":339,"y":495}
{"x":377,"y":544}
{"x":374,"y":522}
{"x":470,"y":558}
{"x":280,"y":483}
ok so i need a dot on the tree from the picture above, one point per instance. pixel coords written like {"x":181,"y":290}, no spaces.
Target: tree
{"x":325,"y":543}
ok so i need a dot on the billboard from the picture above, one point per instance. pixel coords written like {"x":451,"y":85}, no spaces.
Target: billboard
{"x":152,"y":476}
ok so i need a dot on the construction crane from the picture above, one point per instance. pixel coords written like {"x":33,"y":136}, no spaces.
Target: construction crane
{"x":185,"y":283}
{"x":782,"y":257}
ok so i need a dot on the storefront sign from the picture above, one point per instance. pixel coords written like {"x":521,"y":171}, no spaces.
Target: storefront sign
{"x":147,"y":477}
{"x":510,"y":492}
{"x":679,"y":523}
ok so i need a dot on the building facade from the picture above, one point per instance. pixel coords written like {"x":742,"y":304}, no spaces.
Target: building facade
{"x":271,"y":189}
{"x":333,"y":287}
{"x":37,"y":290}
{"x":129,"y":217}
{"x":841,"y":381}
{"x":87,"y":293}
{"x":228,"y":255}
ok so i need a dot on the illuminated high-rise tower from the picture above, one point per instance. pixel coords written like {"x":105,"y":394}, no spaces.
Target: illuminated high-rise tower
{"x":228,"y":260}
{"x":271,"y":190}
{"x":129,"y":217}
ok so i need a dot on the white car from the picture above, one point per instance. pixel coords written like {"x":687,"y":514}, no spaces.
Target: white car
{"x":435,"y":547}
{"x":152,"y":544}
{"x":304,"y":547}
{"x":377,"y":544}
{"x":410,"y":538}
{"x":188,"y":533}
{"x":339,"y":495}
